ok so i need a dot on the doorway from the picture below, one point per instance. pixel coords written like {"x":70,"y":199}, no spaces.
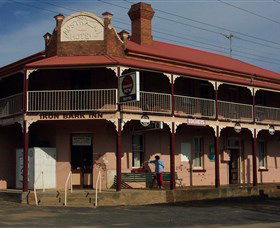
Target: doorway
{"x":82,"y":160}
{"x":234,"y":166}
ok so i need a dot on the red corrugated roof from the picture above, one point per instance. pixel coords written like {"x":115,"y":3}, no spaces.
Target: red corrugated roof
{"x":69,"y":61}
{"x":20,"y":64}
{"x":203,"y":58}
{"x":88,"y":61}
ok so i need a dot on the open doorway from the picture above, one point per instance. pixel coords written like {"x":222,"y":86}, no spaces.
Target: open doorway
{"x":82,"y":160}
{"x":235,"y":160}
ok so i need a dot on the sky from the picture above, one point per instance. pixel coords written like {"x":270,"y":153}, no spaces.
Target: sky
{"x":205,"y":25}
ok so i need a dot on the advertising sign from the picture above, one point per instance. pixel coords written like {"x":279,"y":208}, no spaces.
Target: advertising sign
{"x":129,"y":87}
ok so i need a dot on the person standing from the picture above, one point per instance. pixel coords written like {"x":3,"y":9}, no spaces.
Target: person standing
{"x":159,"y":170}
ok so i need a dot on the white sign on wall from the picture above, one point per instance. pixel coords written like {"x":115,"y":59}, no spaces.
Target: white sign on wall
{"x":81,"y":140}
{"x":82,"y":27}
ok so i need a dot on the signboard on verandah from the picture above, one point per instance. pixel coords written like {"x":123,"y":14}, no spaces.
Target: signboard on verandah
{"x":129,"y":87}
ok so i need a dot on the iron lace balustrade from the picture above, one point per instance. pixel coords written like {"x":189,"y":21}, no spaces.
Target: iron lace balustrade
{"x":72,"y":100}
{"x":11,"y":105}
{"x":267,"y":115}
{"x":150,"y":102}
{"x":195,"y":107}
{"x":235,"y":111}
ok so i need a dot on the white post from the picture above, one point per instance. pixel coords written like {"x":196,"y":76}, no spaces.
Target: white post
{"x":43,"y":182}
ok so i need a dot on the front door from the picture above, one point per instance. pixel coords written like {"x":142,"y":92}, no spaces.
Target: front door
{"x":234,"y":166}
{"x":82,"y":160}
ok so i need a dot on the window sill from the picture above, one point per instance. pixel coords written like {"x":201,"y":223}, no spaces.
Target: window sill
{"x":263,"y":170}
{"x":198,"y":170}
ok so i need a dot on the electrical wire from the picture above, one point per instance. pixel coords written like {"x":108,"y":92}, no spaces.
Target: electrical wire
{"x":210,"y":25}
{"x":164,"y":38}
{"x":248,"y":11}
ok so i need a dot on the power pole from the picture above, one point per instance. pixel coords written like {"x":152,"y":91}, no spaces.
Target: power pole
{"x":229,"y":37}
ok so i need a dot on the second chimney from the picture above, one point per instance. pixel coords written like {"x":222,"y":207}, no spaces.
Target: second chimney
{"x":141,"y":15}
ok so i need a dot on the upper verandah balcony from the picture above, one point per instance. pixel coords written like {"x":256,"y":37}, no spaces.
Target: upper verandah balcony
{"x":87,"y":90}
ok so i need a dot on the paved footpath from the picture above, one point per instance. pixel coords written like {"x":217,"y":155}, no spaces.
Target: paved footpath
{"x":215,"y":213}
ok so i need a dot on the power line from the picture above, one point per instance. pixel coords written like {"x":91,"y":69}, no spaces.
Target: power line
{"x":210,"y":25}
{"x":248,"y":11}
{"x":36,"y":7}
{"x":217,"y":51}
{"x":163,"y":38}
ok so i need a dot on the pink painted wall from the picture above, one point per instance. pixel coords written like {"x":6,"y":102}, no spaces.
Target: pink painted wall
{"x":57,"y":134}
{"x":10,"y":140}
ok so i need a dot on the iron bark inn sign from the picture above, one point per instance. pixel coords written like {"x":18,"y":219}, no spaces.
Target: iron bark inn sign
{"x":129,"y":87}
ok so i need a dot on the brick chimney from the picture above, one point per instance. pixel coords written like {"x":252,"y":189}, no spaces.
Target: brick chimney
{"x":141,"y":15}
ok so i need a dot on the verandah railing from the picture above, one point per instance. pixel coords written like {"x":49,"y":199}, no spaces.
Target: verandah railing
{"x":267,"y":115}
{"x":11,"y":105}
{"x":150,"y":102}
{"x":235,"y":111}
{"x":193,"y":106}
{"x":106,"y":100}
{"x":72,"y":100}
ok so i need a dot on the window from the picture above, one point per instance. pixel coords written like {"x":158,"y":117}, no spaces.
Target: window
{"x":137,"y":151}
{"x":198,"y":152}
{"x":262,"y":154}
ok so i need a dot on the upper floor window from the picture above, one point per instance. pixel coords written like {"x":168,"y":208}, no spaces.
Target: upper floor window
{"x":198,"y":152}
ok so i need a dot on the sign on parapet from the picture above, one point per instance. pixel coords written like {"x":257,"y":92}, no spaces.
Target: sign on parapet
{"x":129,"y":87}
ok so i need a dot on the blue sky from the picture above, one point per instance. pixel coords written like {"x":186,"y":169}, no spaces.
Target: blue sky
{"x":22,"y":26}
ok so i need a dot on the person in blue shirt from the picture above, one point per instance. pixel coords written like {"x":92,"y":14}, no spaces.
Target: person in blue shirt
{"x":159,"y":170}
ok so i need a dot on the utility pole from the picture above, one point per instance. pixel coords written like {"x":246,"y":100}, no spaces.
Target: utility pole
{"x":230,"y":36}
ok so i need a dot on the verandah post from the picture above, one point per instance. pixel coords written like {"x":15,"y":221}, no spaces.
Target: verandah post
{"x":119,"y":145}
{"x":217,"y":146}
{"x":217,"y":159}
{"x":172,"y":140}
{"x":254,"y":147}
{"x":25,"y":132}
{"x":255,"y":179}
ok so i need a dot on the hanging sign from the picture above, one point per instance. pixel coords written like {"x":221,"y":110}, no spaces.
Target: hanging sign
{"x":237,"y":128}
{"x":145,"y":121}
{"x":271,"y":130}
{"x":129,"y":87}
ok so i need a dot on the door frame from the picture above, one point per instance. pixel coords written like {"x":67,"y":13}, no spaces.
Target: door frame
{"x":75,"y":171}
{"x":239,"y":160}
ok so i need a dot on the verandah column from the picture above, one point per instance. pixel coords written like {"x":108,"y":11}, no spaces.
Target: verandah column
{"x":255,"y":180}
{"x":119,"y":145}
{"x":217,"y":145}
{"x":254,"y":147}
{"x":25,"y":132}
{"x":217,"y":159}
{"x":172,"y":140}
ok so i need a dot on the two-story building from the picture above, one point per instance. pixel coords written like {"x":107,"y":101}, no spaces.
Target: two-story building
{"x":220,"y":115}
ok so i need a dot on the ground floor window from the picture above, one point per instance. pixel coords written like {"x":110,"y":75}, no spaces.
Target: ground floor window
{"x":262,"y":154}
{"x":198,"y":152}
{"x":137,"y":151}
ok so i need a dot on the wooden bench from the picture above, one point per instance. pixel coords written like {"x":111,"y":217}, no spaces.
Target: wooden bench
{"x":149,"y":178}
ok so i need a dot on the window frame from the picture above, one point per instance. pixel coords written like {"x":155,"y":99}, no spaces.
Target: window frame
{"x":201,"y":157}
{"x":141,"y":153}
{"x":264,"y":146}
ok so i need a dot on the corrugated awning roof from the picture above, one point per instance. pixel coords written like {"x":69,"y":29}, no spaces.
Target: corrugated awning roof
{"x":92,"y":61}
